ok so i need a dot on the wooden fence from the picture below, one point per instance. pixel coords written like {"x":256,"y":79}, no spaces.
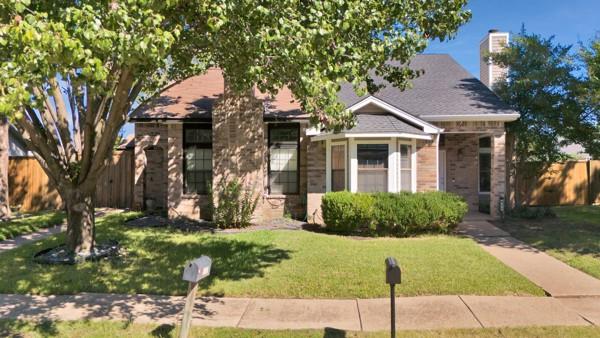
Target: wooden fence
{"x":569,"y":183}
{"x":31,"y":190}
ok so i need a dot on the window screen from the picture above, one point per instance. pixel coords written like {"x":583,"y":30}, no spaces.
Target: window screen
{"x":405,"y":167}
{"x":338,"y":167}
{"x":283,"y":158}
{"x":197,"y":148}
{"x":372,"y":167}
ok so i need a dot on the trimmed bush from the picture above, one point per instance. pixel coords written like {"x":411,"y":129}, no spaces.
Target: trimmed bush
{"x":396,"y":214}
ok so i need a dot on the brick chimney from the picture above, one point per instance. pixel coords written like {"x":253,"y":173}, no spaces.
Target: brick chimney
{"x":493,"y":42}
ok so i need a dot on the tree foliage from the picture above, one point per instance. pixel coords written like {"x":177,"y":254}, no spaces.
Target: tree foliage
{"x":71,"y":70}
{"x":544,"y":84}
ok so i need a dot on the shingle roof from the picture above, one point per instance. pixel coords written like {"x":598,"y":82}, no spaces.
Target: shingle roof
{"x":194,"y":98}
{"x":445,"y":88}
{"x":382,"y":123}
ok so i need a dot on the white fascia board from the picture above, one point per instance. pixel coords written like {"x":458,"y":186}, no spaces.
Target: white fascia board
{"x":428,"y":128}
{"x":478,"y":117}
{"x":329,"y":136}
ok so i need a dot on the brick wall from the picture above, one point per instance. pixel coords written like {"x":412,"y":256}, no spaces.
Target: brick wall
{"x":149,"y":136}
{"x":426,"y":165}
{"x":498,"y":183}
{"x":4,"y":203}
{"x":316,"y":185}
{"x":462,"y":151}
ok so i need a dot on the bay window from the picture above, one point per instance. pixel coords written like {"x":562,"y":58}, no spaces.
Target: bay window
{"x":372,"y":173}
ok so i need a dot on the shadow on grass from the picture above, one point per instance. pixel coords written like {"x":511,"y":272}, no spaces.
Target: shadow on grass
{"x":152,"y":263}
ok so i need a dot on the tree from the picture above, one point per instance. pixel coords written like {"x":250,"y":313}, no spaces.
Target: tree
{"x":542,"y":83}
{"x":71,"y":70}
{"x":590,"y":57}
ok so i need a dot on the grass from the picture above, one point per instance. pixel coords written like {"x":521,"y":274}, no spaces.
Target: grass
{"x":572,"y":237}
{"x":89,"y":329}
{"x":272,"y":264}
{"x":30,"y":224}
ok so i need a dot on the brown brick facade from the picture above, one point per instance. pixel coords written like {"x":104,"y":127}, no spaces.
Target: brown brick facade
{"x":240,"y":149}
{"x":427,"y":165}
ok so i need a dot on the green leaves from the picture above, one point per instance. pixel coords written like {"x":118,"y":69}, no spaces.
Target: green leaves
{"x":544,"y":85}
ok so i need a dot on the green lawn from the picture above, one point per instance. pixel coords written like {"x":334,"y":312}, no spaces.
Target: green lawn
{"x":89,"y":329}
{"x":29,"y":224}
{"x":573,"y":237}
{"x":288,"y":264}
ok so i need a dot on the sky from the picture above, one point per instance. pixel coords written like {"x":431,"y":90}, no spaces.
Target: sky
{"x":570,"y":21}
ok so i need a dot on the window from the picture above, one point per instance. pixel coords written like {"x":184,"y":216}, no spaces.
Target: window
{"x":283,"y":158}
{"x":372,"y":167}
{"x":197,"y":148}
{"x":485,"y":164}
{"x":338,"y":167}
{"x":405,"y":167}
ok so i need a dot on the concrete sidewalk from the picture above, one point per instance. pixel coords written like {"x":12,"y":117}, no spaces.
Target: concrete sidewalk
{"x":429,"y":312}
{"x":555,"y":277}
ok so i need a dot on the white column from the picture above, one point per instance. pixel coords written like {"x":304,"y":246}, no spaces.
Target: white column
{"x":393,"y":165}
{"x":353,"y":166}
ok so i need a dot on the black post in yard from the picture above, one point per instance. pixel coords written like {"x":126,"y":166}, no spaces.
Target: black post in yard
{"x":393,"y":309}
{"x":393,"y":276}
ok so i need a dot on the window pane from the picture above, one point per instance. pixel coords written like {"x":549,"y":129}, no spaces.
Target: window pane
{"x":283,"y":133}
{"x":198,"y":158}
{"x":485,"y":165}
{"x":338,"y":167}
{"x":485,"y":142}
{"x":198,"y":135}
{"x":405,"y":180}
{"x":372,"y":180}
{"x":405,"y":152}
{"x":372,"y":156}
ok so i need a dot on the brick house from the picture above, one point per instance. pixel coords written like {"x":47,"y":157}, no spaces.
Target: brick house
{"x":445,"y":133}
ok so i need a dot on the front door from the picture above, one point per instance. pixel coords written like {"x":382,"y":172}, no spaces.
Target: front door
{"x":154,"y":179}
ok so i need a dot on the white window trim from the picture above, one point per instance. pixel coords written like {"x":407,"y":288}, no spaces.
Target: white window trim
{"x":413,"y":164}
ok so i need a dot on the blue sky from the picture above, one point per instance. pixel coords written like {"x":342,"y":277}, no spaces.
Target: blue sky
{"x":570,"y":21}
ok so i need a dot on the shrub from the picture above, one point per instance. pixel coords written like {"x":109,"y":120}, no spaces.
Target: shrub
{"x":347,"y":212}
{"x":397,"y":214}
{"x":234,"y":204}
{"x":527,"y":212}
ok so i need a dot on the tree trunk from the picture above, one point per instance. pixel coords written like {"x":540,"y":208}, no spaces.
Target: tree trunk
{"x":80,"y":221}
{"x":4,"y":207}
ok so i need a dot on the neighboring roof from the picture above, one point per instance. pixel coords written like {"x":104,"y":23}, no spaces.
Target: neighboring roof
{"x":445,"y":88}
{"x":194,"y":98}
{"x":382,"y":123}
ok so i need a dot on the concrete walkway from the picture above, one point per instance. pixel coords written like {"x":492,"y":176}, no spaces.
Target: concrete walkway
{"x":415,"y":313}
{"x":555,"y":277}
{"x":16,"y":242}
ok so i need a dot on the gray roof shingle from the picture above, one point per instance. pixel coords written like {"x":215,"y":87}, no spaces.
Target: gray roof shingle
{"x":382,"y":123}
{"x":445,"y":88}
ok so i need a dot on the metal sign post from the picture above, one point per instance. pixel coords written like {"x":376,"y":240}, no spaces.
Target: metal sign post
{"x":392,"y":277}
{"x":195,"y":271}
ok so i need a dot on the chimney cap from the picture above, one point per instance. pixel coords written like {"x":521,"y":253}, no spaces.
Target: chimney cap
{"x":494,"y":30}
